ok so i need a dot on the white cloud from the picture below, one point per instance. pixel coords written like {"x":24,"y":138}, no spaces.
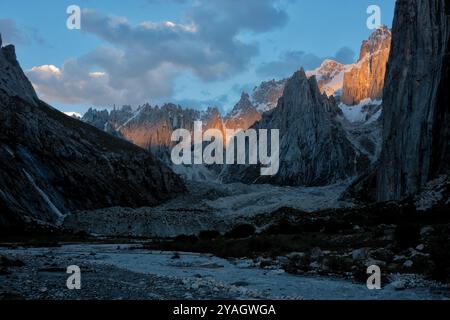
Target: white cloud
{"x":97,"y":74}
{"x":46,"y":71}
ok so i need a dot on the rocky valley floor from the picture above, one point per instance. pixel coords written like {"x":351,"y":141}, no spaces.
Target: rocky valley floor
{"x":241,"y":242}
{"x":117,"y":271}
{"x":206,"y":206}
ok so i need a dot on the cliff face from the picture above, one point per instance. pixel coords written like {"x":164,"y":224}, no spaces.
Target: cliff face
{"x":416,"y":121}
{"x":314,"y":148}
{"x":52,"y":164}
{"x":13,"y":82}
{"x":365,"y":79}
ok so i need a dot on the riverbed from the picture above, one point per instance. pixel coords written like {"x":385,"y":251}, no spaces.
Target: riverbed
{"x":124,"y":271}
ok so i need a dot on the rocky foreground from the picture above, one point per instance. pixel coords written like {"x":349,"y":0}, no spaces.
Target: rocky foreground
{"x":112,"y":271}
{"x":41,"y":275}
{"x":283,"y":253}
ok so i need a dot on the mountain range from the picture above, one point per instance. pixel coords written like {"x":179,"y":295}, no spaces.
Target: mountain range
{"x":314,"y":147}
{"x":52,"y":164}
{"x":357,"y":144}
{"x":332,"y":77}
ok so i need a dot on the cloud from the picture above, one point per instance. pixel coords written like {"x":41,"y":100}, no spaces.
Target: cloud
{"x":207,"y":43}
{"x":345,"y":55}
{"x":291,"y":61}
{"x":287,"y":63}
{"x":11,"y":33}
{"x":77,"y":82}
{"x":239,"y":88}
{"x":140,"y":62}
{"x":218,"y":102}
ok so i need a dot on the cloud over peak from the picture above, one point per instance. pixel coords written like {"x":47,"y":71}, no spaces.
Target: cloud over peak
{"x":140,"y":62}
{"x":290,"y":61}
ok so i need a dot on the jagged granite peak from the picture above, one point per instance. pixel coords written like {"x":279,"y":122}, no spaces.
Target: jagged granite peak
{"x":245,"y":96}
{"x":151,"y":127}
{"x":243,"y":115}
{"x":416,"y":119}
{"x":52,"y":164}
{"x":243,"y":104}
{"x":13,"y":81}
{"x":211,"y":113}
{"x":314,"y":149}
{"x":103,"y":120}
{"x":265,"y":96}
{"x":365,"y":79}
{"x":97,"y":118}
{"x":119,"y":116}
{"x":379,"y":40}
{"x":212,"y":119}
{"x":330,"y":76}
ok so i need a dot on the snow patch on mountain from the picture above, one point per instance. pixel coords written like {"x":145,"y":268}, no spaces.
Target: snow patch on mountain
{"x":361,"y":111}
{"x":265,"y":96}
{"x":72,"y":114}
{"x":330,"y":76}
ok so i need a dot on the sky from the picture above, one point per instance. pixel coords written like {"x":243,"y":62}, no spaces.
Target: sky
{"x":196,"y":53}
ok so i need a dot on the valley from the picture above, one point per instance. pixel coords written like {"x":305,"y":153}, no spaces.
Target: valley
{"x":362,"y":179}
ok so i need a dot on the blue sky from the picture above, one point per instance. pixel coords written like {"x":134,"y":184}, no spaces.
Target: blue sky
{"x":193,"y":52}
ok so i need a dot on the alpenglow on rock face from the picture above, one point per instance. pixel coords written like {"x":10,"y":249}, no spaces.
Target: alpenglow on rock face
{"x":314,"y":149}
{"x":52,"y":164}
{"x":151,"y":127}
{"x":416,"y":121}
{"x":365,"y":79}
{"x":243,"y":115}
{"x":330,"y":76}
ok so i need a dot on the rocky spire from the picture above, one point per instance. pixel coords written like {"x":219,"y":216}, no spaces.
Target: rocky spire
{"x":265,"y":96}
{"x":366,"y":78}
{"x":245,"y":96}
{"x":243,"y":115}
{"x":212,"y":119}
{"x":314,"y":149}
{"x":13,"y":81}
